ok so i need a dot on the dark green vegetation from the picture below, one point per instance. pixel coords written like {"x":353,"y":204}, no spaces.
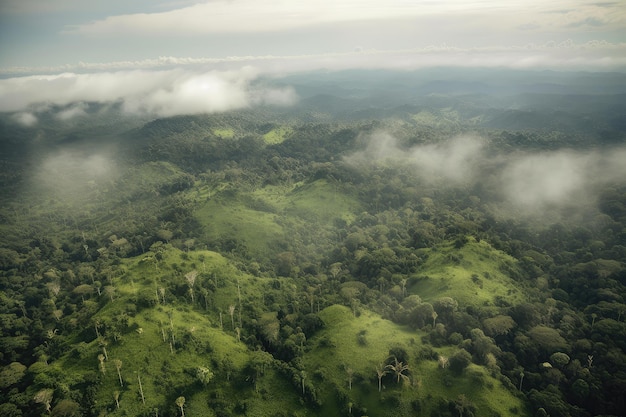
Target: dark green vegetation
{"x":299,"y":262}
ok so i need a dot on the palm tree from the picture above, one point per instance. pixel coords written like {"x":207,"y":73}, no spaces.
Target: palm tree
{"x":231,"y":311}
{"x":443,"y":361}
{"x":118,"y":366}
{"x":350,"y":373}
{"x":143,"y":399}
{"x":302,"y":379}
{"x":180,"y":402}
{"x":103,"y":368}
{"x":381,"y":371}
{"x":398,"y":368}
{"x":191,"y":280}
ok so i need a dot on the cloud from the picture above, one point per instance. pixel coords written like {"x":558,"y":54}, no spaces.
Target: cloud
{"x":72,"y":174}
{"x":164,"y":93}
{"x":252,"y":16}
{"x":71,"y":112}
{"x":246,"y":16}
{"x":25,"y":119}
{"x":542,"y":180}
{"x":454,"y":161}
{"x":538,"y":185}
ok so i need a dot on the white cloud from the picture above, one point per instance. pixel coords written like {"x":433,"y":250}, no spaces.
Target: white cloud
{"x":75,"y":110}
{"x":25,"y":119}
{"x":526,"y":184}
{"x":247,"y":16}
{"x":454,"y":161}
{"x":165,"y":93}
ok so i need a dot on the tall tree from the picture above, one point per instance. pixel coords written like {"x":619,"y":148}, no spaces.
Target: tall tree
{"x":381,"y":371}
{"x":180,"y":402}
{"x":231,"y":311}
{"x":118,"y":366}
{"x":191,"y":281}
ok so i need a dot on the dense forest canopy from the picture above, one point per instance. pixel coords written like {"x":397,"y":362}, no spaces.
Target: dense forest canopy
{"x":438,"y":242}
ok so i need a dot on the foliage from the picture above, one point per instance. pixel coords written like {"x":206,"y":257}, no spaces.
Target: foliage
{"x":243,"y":263}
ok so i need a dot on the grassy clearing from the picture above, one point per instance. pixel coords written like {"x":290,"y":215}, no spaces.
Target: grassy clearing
{"x":224,"y":133}
{"x":254,"y":218}
{"x":322,"y":201}
{"x":475,"y":274}
{"x":277,"y":135}
{"x":257,"y":230}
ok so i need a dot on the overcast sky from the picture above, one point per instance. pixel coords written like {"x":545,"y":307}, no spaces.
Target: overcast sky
{"x":523,"y":33}
{"x":170,"y":57}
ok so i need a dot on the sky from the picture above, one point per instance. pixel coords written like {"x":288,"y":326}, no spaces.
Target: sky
{"x":40,"y":35}
{"x":165,"y":56}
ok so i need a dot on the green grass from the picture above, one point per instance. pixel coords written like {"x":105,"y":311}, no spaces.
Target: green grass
{"x":224,"y":133}
{"x":277,"y":135}
{"x":322,"y":201}
{"x":257,"y":218}
{"x":257,"y":230}
{"x":198,"y":341}
{"x":337,"y":347}
{"x":476,"y":274}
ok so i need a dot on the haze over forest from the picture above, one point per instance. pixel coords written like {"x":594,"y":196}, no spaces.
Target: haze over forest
{"x":330,"y":208}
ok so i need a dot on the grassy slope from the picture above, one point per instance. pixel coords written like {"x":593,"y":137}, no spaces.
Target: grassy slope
{"x":328,"y":366}
{"x":254,"y":217}
{"x":199,"y":341}
{"x":448,"y":272}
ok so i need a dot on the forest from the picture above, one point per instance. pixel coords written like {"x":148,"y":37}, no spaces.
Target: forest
{"x":424,"y":243}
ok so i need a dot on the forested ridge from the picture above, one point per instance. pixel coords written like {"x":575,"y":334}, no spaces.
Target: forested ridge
{"x":328,"y":259}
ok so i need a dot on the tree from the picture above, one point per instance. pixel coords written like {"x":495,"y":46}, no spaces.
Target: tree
{"x":231,"y":311}
{"x":498,"y":325}
{"x":350,"y":373}
{"x":116,"y":397}
{"x":103,"y":368}
{"x":460,"y":360}
{"x":302,"y":379}
{"x":443,"y":361}
{"x":463,"y":404}
{"x":381,"y":371}
{"x":66,"y":408}
{"x":118,"y":366}
{"x":44,"y":397}
{"x":399,"y":368}
{"x":180,"y":402}
{"x":191,"y":281}
{"x":204,"y":375}
{"x":143,"y":399}
{"x":12,"y":374}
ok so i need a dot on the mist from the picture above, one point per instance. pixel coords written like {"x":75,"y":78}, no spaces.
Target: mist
{"x":75,"y":175}
{"x":537,"y":185}
{"x":162,"y":93}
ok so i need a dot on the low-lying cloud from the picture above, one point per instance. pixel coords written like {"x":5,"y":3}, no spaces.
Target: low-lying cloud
{"x":523,"y":183}
{"x":163,"y":93}
{"x":455,"y":161}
